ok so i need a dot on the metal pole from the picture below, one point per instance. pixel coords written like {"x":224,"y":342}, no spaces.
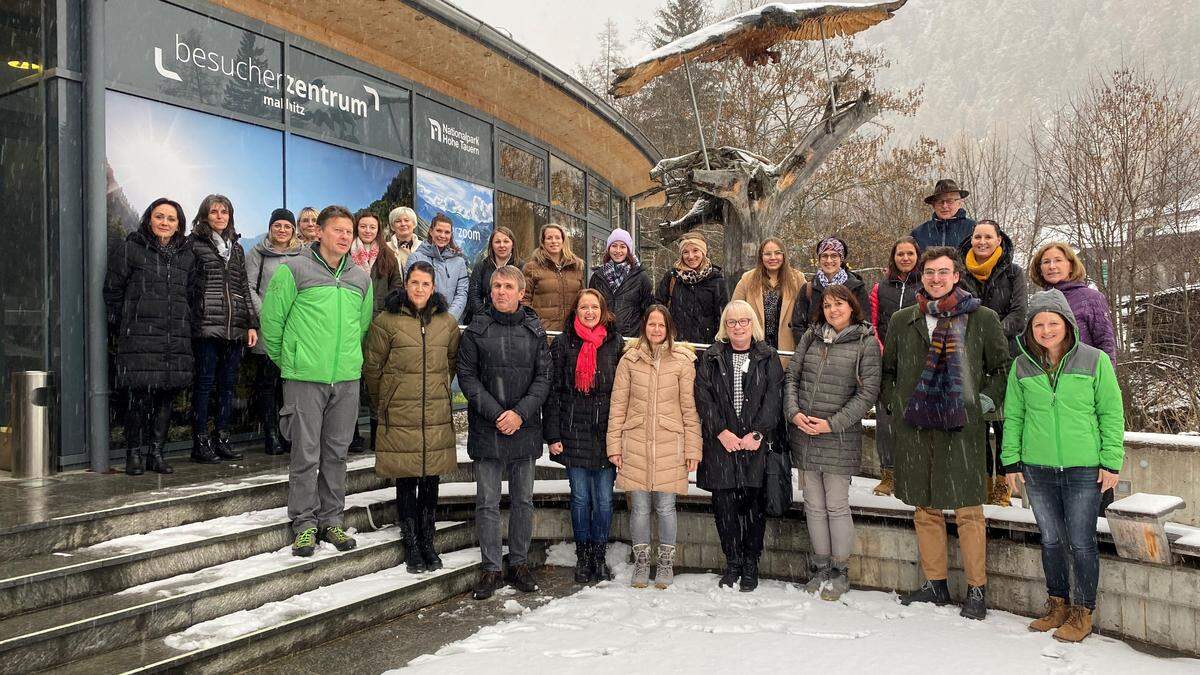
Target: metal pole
{"x":96,"y":236}
{"x":828,"y":75}
{"x":696,"y":111}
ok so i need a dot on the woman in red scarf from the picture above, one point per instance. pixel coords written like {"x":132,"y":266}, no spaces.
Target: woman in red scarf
{"x":575,"y":421}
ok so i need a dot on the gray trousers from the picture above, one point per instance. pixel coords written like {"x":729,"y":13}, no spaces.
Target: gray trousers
{"x":487,"y":510}
{"x":827,"y":510}
{"x":319,"y":420}
{"x":640,"y":502}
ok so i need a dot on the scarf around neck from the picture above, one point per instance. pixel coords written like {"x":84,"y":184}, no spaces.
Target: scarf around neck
{"x":224,"y":248}
{"x":937,"y":402}
{"x":585,"y":364}
{"x":983,"y":270}
{"x":692,"y":277}
{"x":362,"y":256}
{"x":838,"y":279}
{"x":615,"y":273}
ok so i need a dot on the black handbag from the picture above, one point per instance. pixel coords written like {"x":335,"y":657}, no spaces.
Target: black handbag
{"x":779,"y":481}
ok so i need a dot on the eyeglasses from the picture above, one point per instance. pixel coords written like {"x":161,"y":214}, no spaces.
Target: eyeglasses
{"x":947,"y":201}
{"x":731,"y":323}
{"x":928,"y":273}
{"x":829,"y":256}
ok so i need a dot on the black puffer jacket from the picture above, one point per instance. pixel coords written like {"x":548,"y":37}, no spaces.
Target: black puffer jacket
{"x":578,"y":420}
{"x":504,"y":364}
{"x":938,"y":232}
{"x":146,"y":293}
{"x":479,"y":289}
{"x":628,"y":302}
{"x":721,"y":470}
{"x":1005,"y":292}
{"x":889,"y":295}
{"x":220,"y":293}
{"x":695,"y":308}
{"x":809,"y":299}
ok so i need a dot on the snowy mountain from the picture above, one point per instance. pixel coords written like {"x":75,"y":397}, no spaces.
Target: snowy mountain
{"x":991,"y":64}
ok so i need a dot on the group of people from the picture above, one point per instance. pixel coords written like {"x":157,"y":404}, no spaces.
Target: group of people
{"x":643,"y":384}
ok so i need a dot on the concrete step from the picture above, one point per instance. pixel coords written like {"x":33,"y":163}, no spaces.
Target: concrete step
{"x":108,"y":567}
{"x":247,"y":637}
{"x":53,"y":636}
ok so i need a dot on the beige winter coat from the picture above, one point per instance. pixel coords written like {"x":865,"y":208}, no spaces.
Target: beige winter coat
{"x":652,"y":424}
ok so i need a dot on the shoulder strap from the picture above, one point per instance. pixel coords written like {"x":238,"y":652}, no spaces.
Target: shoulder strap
{"x":671,"y":287}
{"x":258,"y":282}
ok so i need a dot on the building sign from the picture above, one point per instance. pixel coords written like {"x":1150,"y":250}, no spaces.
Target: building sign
{"x":185,"y":55}
{"x":451,"y":140}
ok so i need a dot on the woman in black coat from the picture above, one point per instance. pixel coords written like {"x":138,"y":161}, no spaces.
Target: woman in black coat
{"x":146,"y":294}
{"x":501,"y":251}
{"x":694,"y":290}
{"x":223,"y":322}
{"x":739,"y":395}
{"x":832,"y":270}
{"x":575,"y":423}
{"x":624,"y":284}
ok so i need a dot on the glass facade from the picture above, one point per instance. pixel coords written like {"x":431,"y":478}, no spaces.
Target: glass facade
{"x":524,"y":218}
{"x":566,"y":186}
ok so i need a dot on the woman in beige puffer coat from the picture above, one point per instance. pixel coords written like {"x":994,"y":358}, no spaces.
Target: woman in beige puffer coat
{"x":654,"y":437}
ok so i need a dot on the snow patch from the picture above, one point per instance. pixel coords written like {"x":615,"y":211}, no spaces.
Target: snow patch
{"x":1144,"y":503}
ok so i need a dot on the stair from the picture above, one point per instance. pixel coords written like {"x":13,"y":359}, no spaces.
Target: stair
{"x":204,"y":580}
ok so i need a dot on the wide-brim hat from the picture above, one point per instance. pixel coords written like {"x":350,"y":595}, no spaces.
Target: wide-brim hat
{"x":942,"y":187}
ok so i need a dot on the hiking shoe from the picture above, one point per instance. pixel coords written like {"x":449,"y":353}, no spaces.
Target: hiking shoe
{"x":975,"y":606}
{"x":836,"y":585}
{"x":935,"y":592}
{"x":641,"y":566}
{"x":1077,"y":626}
{"x":665,"y":575}
{"x":486,"y":585}
{"x":338,"y":537}
{"x":521,"y":578}
{"x":749,"y":580}
{"x":1056,"y":615}
{"x":887,"y":484}
{"x":305,"y":543}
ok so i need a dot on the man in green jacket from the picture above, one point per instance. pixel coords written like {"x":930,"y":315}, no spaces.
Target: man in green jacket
{"x":314,"y":315}
{"x":944,"y":368}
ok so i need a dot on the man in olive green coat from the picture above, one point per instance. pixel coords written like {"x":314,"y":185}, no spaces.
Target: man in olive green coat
{"x":944,"y":367}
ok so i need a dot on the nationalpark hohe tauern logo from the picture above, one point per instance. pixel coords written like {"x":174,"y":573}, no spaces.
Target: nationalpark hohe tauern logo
{"x":441,"y":132}
{"x":284,"y":89}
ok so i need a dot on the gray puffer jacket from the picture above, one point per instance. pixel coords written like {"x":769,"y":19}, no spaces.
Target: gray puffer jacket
{"x":261,"y":263}
{"x":834,"y":377}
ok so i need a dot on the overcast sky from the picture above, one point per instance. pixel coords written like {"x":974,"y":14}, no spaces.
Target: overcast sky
{"x":564,"y":31}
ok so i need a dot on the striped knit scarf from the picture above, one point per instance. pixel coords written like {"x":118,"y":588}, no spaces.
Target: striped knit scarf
{"x":937,"y":402}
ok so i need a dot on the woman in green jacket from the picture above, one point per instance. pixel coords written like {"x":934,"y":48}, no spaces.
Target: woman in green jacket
{"x":1064,"y":428}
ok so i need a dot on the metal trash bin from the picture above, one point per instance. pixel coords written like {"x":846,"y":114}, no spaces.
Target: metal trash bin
{"x":30,"y":419}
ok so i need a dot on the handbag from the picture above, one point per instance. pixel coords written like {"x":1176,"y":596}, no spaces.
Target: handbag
{"x":779,"y":481}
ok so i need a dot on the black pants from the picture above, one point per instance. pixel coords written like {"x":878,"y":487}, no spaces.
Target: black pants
{"x":268,"y":387}
{"x":149,"y":416}
{"x":741,"y":521}
{"x":415,"y":495}
{"x":994,"y":442}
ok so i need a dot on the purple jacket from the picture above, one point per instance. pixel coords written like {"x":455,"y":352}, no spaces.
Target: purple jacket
{"x":1091,"y":313}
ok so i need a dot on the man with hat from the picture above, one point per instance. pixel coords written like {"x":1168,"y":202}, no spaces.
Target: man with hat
{"x":949,"y":225}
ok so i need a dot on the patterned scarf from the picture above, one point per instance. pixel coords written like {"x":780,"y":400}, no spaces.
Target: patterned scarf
{"x":615,"y":273}
{"x":362,"y":256}
{"x":937,"y":402}
{"x":838,"y":279}
{"x":692,"y":277}
{"x":585,"y":364}
{"x":224,"y":248}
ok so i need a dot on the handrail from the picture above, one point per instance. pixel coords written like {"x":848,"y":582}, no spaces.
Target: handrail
{"x":698,"y":346}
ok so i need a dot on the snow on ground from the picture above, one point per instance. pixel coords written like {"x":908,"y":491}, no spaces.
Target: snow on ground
{"x":694,"y":627}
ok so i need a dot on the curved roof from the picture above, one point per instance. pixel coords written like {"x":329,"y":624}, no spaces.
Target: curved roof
{"x":421,"y":40}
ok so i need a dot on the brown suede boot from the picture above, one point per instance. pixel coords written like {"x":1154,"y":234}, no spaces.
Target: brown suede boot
{"x":1056,"y":615}
{"x":1077,"y":626}
{"x":999,"y":494}
{"x":887,"y":484}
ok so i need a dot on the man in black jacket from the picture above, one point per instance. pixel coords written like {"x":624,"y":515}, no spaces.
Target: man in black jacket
{"x":504,"y":371}
{"x":949,"y":224}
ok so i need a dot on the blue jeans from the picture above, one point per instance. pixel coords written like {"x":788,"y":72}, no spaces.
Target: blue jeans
{"x":217,"y":364}
{"x":591,"y":502}
{"x":1066,"y":503}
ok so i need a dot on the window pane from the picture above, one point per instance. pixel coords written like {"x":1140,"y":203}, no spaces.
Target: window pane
{"x":21,"y":34}
{"x":598,"y":198}
{"x":596,"y":241}
{"x":469,"y":207}
{"x":616,"y":211}
{"x":524,"y":218}
{"x":576,"y":229}
{"x":522,"y":167}
{"x":566,"y":186}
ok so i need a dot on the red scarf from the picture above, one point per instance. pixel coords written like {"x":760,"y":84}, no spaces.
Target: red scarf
{"x":585,"y":365}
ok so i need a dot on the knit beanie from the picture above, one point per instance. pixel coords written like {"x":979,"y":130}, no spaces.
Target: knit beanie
{"x":623,"y":237}
{"x":696,"y":239}
{"x":282,"y":214}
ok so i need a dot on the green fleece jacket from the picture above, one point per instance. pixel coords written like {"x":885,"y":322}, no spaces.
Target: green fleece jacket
{"x":1069,"y":417}
{"x":314,"y":317}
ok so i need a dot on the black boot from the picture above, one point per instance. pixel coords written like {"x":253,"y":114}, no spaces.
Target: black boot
{"x":272,"y":443}
{"x":733,"y":572}
{"x":600,"y":570}
{"x":749,"y":574}
{"x":935,"y":592}
{"x":583,"y":562}
{"x":133,"y":462}
{"x":357,"y":444}
{"x":975,"y":606}
{"x":222,"y":447}
{"x":428,"y":528}
{"x":413,"y":562}
{"x":155,"y":460}
{"x":202,"y":450}
{"x":374,"y":431}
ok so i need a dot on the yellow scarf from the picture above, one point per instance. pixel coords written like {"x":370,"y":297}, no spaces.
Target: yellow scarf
{"x":983,"y":270}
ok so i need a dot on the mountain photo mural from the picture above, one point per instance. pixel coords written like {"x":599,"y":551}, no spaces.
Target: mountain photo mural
{"x":468,"y":205}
